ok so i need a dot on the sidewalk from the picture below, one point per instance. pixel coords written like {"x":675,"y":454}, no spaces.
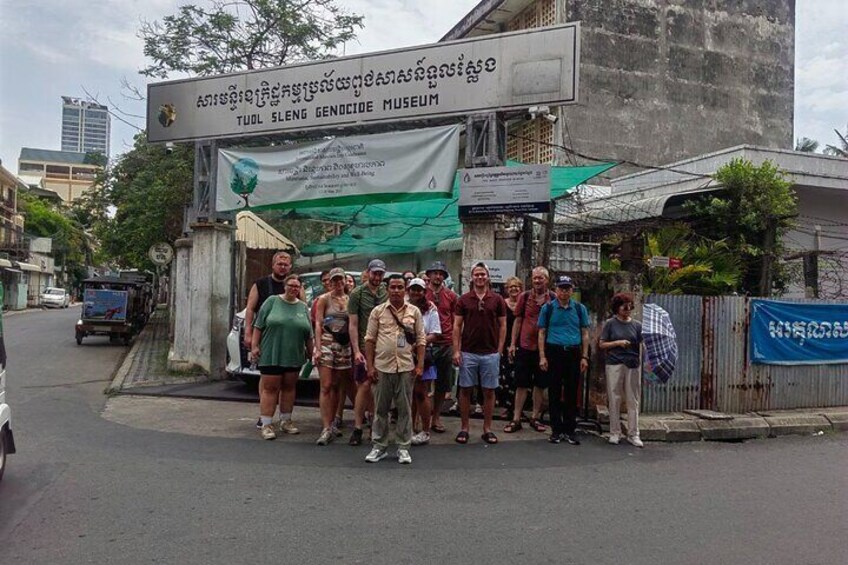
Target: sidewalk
{"x":144,"y":374}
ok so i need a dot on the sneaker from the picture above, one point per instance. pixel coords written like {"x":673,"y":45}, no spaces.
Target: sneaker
{"x":336,"y":432}
{"x":635,"y":441}
{"x":478,"y":410}
{"x":421,"y":438}
{"x":259,"y":424}
{"x":326,"y":437}
{"x":404,"y":458}
{"x":355,"y":437}
{"x":454,"y":409}
{"x":614,"y":439}
{"x":288,"y":427}
{"x":268,"y":432}
{"x":376,"y":454}
{"x":571,"y":439}
{"x":338,"y":423}
{"x":555,"y":438}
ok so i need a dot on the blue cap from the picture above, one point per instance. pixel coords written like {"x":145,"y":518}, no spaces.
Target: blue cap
{"x":564,"y":281}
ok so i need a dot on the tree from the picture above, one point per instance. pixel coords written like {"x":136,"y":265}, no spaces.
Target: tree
{"x":148,"y":188}
{"x":806,"y":145}
{"x":751,"y":214}
{"x":709,"y":267}
{"x":235,"y":35}
{"x":842,"y":149}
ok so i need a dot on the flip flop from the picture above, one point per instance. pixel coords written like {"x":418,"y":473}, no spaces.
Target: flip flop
{"x":438,"y":428}
{"x":462,"y":437}
{"x":490,"y":438}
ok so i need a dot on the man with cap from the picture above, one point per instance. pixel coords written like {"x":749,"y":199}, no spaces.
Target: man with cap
{"x":445,"y":300}
{"x":363,"y":299}
{"x":479,"y":333}
{"x":564,"y":353}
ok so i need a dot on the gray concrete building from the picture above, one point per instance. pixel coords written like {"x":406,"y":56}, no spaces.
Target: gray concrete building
{"x":86,"y":126}
{"x":660,"y":80}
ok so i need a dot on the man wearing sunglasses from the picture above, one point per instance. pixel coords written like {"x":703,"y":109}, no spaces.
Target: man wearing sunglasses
{"x":479,"y":333}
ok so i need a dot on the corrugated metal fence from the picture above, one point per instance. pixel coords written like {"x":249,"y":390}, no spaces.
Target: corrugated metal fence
{"x":714,"y":373}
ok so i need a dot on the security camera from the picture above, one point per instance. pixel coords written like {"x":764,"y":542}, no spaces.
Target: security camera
{"x":551,"y":118}
{"x":169,"y":147}
{"x":534,"y":112}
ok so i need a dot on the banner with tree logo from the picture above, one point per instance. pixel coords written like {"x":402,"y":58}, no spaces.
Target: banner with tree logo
{"x":367,"y":169}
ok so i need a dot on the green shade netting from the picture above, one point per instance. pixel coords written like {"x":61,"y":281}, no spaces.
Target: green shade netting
{"x":406,"y":227}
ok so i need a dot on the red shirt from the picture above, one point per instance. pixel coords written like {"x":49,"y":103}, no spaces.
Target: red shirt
{"x":446,"y":304}
{"x":481,"y":321}
{"x":528,"y":310}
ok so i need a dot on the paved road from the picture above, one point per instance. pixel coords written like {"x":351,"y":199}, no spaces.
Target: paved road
{"x":85,"y":489}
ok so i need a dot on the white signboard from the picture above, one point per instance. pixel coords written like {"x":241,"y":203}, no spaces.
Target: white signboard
{"x":479,"y":74}
{"x":365,"y":169}
{"x":160,"y":254}
{"x":504,"y":190}
{"x":659,"y":261}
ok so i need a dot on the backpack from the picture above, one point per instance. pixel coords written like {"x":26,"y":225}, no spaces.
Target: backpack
{"x":582,"y":315}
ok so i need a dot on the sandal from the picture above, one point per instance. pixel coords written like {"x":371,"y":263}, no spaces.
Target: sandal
{"x":462,"y":437}
{"x":537,"y":425}
{"x":490,"y":438}
{"x":513,"y":427}
{"x":438,"y":428}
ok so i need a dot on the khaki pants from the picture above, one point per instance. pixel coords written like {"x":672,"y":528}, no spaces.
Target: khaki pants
{"x":621,"y":377}
{"x":397,"y":388}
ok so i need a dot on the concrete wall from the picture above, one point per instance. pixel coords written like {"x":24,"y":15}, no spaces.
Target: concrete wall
{"x":663,"y":80}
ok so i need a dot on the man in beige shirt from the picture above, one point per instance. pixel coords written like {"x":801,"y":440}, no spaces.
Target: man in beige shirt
{"x":392,"y":367}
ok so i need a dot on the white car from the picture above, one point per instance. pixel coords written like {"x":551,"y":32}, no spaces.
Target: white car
{"x":54,"y":297}
{"x":238,"y":365}
{"x":7,"y":440}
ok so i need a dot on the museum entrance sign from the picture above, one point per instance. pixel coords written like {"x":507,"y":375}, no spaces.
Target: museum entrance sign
{"x":499,"y":72}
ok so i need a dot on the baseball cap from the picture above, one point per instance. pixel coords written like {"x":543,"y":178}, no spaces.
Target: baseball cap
{"x":376,"y":265}
{"x":437,"y":266}
{"x":563,"y":281}
{"x":336,"y":272}
{"x":416,"y":282}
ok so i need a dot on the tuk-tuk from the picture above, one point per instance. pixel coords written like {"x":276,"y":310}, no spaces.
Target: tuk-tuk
{"x":114,"y":306}
{"x":7,"y":440}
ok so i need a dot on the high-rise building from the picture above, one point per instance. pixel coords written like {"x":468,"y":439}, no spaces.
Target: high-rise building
{"x":85,"y":126}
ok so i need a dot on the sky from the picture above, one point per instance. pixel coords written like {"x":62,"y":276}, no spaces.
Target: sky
{"x":51,"y":48}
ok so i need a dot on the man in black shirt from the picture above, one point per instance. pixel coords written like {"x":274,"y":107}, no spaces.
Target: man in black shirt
{"x":281,"y":265}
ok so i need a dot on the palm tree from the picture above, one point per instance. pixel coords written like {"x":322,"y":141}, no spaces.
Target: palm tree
{"x":806,"y":145}
{"x":839,"y":151}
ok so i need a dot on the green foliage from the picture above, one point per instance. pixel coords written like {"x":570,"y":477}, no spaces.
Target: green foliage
{"x":72,"y":248}
{"x":709,"y":267}
{"x":840,"y":150}
{"x":235,"y":35}
{"x":147,"y":188}
{"x":757,"y":203}
{"x":806,"y":145}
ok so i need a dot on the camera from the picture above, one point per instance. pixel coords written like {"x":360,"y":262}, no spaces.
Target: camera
{"x":169,"y":147}
{"x":544,"y":112}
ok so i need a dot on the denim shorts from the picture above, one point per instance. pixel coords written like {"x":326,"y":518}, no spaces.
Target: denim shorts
{"x":483,"y":370}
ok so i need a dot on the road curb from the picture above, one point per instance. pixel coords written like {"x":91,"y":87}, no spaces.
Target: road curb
{"x":796,"y":424}
{"x":742,"y":427}
{"x":121,"y":374}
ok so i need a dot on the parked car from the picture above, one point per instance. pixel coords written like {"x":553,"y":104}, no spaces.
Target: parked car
{"x":54,"y":297}
{"x":7,"y":440}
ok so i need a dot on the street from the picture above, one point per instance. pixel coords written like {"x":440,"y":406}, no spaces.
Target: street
{"x":84,"y":489}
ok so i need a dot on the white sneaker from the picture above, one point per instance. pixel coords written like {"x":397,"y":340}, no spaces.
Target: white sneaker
{"x":288,"y":427}
{"x":635,"y":441}
{"x":421,"y":438}
{"x":268,"y":432}
{"x":326,"y":437}
{"x":376,"y":454}
{"x":614,"y":439}
{"x":404,"y":458}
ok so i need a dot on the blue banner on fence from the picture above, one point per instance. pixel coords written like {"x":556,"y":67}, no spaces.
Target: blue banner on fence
{"x":789,"y":333}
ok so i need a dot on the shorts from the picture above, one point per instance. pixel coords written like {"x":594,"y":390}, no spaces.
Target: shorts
{"x":483,"y":370}
{"x":429,"y":374}
{"x":334,"y":355}
{"x":527,"y":371}
{"x":443,"y":362}
{"x":276,"y":370}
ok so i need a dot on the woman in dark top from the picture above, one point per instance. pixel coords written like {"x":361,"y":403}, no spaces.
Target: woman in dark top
{"x":506,"y":391}
{"x":620,"y":340}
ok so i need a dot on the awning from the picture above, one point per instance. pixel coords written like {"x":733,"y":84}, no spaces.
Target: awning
{"x":5,"y":263}
{"x":10,"y":270}
{"x":28,"y":266}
